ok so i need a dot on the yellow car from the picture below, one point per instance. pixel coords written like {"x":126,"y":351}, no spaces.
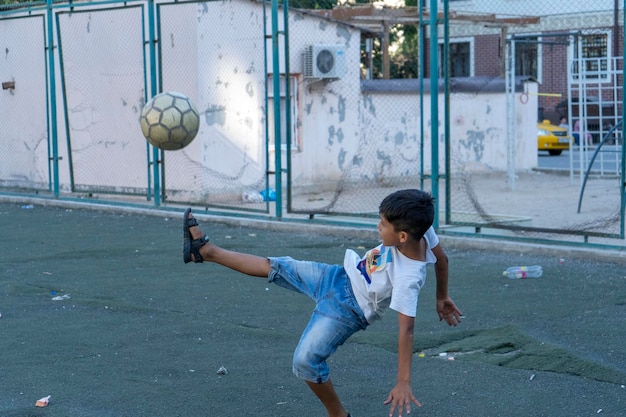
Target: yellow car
{"x":552,"y":138}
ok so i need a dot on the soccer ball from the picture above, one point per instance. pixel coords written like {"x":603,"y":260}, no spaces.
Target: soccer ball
{"x":170,"y":121}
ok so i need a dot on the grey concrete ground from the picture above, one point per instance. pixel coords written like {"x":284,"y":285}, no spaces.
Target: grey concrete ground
{"x":138,"y":333}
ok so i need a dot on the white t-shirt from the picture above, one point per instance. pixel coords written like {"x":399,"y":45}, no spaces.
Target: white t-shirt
{"x":384,"y":277}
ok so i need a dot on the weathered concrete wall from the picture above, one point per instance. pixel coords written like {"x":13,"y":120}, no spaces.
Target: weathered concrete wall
{"x":23,"y":146}
{"x":215,"y":53}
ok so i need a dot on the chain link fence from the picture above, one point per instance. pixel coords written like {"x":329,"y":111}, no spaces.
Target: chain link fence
{"x":575,"y":56}
{"x":221,"y":67}
{"x":358,"y":133}
{"x":336,"y":105}
{"x":102,"y":80}
{"x":503,"y":69}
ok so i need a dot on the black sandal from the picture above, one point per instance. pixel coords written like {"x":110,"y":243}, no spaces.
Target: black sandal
{"x":192,"y":246}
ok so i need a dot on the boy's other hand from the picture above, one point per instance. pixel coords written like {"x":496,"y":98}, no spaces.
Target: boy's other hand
{"x":448,"y":311}
{"x":400,"y":398}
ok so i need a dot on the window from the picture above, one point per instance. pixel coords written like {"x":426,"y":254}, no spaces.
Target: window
{"x":283,"y":103}
{"x":527,"y":57}
{"x":461,"y":61}
{"x":594,"y":61}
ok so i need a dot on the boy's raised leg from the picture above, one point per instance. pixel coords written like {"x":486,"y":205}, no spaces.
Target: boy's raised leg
{"x":253,"y":265}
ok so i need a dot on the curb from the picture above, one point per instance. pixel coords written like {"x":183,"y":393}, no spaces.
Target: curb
{"x":602,"y":253}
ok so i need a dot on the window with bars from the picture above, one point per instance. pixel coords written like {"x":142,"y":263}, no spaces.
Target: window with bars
{"x":527,"y":57}
{"x":460,"y":59}
{"x":594,"y":61}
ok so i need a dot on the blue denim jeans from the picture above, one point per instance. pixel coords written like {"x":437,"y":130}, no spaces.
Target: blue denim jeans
{"x":336,"y":316}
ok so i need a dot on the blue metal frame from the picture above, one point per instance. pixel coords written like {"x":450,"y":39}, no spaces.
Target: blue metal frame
{"x":276,"y":86}
{"x":446,"y":95}
{"x":153,"y":91}
{"x":623,"y":178}
{"x":288,"y":121}
{"x":422,"y":68}
{"x":53,"y":98}
{"x":68,"y":139}
{"x":434,"y":106}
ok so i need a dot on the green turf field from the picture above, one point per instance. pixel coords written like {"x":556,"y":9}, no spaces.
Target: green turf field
{"x":138,"y":333}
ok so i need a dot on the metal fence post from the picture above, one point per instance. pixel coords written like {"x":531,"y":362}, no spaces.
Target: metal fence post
{"x":53,"y":107}
{"x":623,"y":173}
{"x":153,"y":92}
{"x":277,"y":139}
{"x":434,"y":106}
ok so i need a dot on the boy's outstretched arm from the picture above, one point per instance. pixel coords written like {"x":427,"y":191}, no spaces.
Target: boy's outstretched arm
{"x":446,"y":309}
{"x":401,"y":396}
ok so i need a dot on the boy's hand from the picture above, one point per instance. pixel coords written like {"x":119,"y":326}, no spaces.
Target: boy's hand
{"x":448,"y":311}
{"x":401,"y":398}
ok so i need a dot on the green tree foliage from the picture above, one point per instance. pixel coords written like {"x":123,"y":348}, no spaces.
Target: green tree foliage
{"x":404,"y":61}
{"x":403,"y":41}
{"x":403,"y":53}
{"x":8,"y":4}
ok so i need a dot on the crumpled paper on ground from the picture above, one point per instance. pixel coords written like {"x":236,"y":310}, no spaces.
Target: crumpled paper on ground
{"x":42,"y":402}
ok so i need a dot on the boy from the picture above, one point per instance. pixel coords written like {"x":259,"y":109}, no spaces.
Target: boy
{"x":350,"y":297}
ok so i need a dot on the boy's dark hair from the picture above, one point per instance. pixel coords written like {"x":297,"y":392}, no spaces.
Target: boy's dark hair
{"x":411,"y":211}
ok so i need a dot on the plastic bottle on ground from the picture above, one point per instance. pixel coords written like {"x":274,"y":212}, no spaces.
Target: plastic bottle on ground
{"x":521,"y":272}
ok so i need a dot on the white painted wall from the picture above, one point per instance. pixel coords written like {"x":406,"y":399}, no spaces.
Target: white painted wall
{"x":23,"y":146}
{"x":216,"y":56}
{"x":478,"y":130}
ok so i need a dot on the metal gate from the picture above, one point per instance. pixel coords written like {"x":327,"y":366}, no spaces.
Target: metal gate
{"x":570,"y":67}
{"x":94,"y":65}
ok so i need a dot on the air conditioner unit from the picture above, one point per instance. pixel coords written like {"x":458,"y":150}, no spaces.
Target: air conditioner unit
{"x":324,"y":61}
